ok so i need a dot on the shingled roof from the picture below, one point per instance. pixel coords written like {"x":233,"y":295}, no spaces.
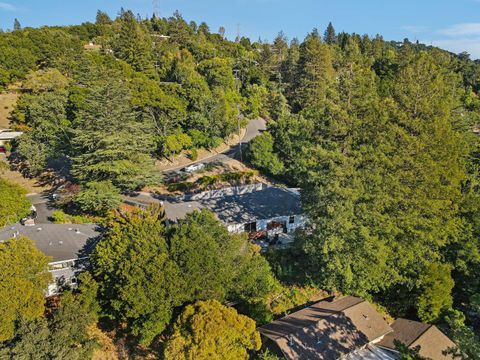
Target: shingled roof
{"x":431,"y":340}
{"x":327,"y":329}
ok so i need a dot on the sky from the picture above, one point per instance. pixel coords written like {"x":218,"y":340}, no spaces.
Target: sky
{"x":450,"y":24}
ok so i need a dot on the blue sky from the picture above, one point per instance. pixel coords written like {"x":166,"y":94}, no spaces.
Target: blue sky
{"x":451,"y":24}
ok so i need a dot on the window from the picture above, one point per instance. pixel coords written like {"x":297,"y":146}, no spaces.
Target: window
{"x":291,"y":220}
{"x":250,"y":227}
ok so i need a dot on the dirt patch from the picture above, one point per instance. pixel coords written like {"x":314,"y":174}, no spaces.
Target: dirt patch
{"x":7,"y":104}
{"x":107,"y":350}
{"x":183,"y":159}
{"x":31,"y":185}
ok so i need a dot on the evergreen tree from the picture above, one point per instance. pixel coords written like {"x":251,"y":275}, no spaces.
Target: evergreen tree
{"x":111,"y":141}
{"x":315,"y":74}
{"x":16,"y":25}
{"x":330,"y":37}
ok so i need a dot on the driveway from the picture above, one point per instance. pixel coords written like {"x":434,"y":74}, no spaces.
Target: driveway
{"x":254,"y":128}
{"x":44,"y":210}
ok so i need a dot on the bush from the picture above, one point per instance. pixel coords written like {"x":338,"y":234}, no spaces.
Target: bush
{"x":59,"y":217}
{"x":98,"y":198}
{"x":181,"y":186}
{"x":193,"y":154}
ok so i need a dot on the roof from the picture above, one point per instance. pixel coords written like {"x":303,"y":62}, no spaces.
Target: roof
{"x":59,"y":241}
{"x":431,"y":340}
{"x":327,"y":329}
{"x":265,"y":204}
{"x":177,"y":211}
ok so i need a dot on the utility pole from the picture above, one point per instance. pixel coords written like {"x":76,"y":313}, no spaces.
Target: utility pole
{"x":156,"y":8}
{"x":238,"y":33}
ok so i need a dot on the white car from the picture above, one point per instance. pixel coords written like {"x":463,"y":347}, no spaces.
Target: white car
{"x":194,"y":167}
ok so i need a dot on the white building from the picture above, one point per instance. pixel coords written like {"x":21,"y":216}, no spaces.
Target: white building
{"x":67,"y":245}
{"x":253,"y":208}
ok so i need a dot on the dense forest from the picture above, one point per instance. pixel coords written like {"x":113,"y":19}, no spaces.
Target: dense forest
{"x":379,"y":135}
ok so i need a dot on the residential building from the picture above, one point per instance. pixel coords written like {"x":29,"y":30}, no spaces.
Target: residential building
{"x":431,"y":341}
{"x":327,"y":330}
{"x":67,"y":245}
{"x":254,"y":208}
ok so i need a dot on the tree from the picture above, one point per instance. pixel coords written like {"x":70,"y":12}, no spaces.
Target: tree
{"x":111,"y":143}
{"x":144,"y":271}
{"x":102,"y":18}
{"x":98,"y":198}
{"x":16,"y":25}
{"x":133,"y":43}
{"x":138,"y":284}
{"x":330,"y":36}
{"x":63,"y":335}
{"x":261,"y":155}
{"x":436,"y":296}
{"x":24,"y":277}
{"x":315,"y":73}
{"x":14,"y":205}
{"x":209,"y":330}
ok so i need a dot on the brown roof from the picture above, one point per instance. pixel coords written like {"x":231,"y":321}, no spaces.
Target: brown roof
{"x":327,"y":329}
{"x":431,"y":340}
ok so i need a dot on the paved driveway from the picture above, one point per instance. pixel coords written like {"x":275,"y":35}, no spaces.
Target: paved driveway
{"x":254,"y":128}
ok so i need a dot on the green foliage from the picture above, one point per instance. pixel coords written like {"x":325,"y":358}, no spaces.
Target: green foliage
{"x":144,"y":270}
{"x":59,"y":217}
{"x":21,"y":286}
{"x":110,"y":142}
{"x":262,"y":156}
{"x":436,"y":296}
{"x":209,"y":330}
{"x":98,"y":198}
{"x":406,"y":353}
{"x":64,"y":335}
{"x":13,"y":205}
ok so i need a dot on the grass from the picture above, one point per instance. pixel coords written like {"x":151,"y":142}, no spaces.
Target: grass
{"x":7,"y":103}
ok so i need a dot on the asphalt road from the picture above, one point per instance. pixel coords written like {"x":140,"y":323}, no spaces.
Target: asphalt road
{"x":254,"y":128}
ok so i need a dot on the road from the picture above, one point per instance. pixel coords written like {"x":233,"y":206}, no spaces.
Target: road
{"x":254,"y":128}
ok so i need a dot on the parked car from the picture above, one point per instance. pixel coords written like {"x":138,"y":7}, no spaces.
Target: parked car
{"x":194,"y":167}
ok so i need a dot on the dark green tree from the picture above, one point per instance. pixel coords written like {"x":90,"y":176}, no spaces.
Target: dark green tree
{"x":16,"y":25}
{"x":330,"y":36}
{"x":111,"y":142}
{"x":98,"y":198}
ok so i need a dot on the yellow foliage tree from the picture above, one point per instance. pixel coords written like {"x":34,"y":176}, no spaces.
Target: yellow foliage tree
{"x":210,"y":330}
{"x":23,"y":278}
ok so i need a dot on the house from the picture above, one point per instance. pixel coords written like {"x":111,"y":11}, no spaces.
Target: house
{"x":251,"y":208}
{"x":329,"y":329}
{"x":67,"y":245}
{"x":429,"y":338}
{"x":91,"y":46}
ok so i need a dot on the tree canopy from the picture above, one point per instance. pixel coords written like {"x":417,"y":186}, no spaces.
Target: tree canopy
{"x":13,"y":205}
{"x":210,"y":330}
{"x":24,"y":277}
{"x":145,"y":270}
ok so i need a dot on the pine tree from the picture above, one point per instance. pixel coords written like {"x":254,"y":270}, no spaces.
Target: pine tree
{"x":315,"y":73}
{"x":330,"y":36}
{"x":16,"y":25}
